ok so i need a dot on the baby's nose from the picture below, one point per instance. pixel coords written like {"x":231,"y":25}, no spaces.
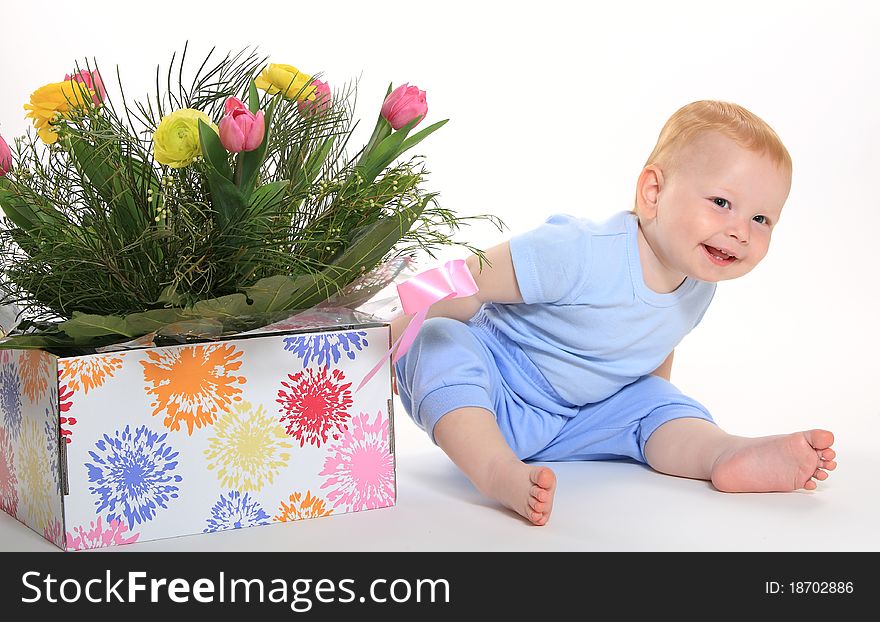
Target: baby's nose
{"x":739,"y":231}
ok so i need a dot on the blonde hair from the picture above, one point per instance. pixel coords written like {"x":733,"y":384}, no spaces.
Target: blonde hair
{"x":731,"y":120}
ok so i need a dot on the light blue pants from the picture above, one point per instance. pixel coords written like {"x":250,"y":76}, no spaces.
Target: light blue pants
{"x":452,"y":364}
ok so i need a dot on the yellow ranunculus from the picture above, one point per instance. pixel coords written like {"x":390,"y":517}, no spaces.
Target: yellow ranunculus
{"x":288,"y":80}
{"x":176,"y":140}
{"x":52,"y":99}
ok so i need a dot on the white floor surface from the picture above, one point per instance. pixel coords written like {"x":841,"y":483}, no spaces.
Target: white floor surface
{"x":600,"y":506}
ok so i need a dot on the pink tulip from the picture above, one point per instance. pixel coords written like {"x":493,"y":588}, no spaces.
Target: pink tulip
{"x":5,"y":157}
{"x":404,"y":104}
{"x":320,"y":104}
{"x":241,"y":129}
{"x":92,"y":81}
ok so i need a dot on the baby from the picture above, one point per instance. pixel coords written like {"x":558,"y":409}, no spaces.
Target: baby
{"x":565,"y":353}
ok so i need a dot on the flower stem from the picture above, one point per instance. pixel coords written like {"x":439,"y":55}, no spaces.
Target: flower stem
{"x":380,"y":132}
{"x":238,"y":169}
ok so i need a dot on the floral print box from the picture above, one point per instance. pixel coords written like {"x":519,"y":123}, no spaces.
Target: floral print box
{"x":138,"y":444}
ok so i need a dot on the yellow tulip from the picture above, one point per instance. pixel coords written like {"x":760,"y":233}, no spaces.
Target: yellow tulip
{"x":288,"y":80}
{"x":57,"y":98}
{"x":176,"y":140}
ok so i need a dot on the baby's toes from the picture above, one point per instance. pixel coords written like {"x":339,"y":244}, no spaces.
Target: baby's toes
{"x":537,"y":506}
{"x":828,"y":465}
{"x":820,"y":439}
{"x":827,"y":454}
{"x":538,"y":518}
{"x":541,"y":494}
{"x":820,"y":475}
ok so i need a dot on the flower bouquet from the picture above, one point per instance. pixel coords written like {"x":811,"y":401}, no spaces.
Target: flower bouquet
{"x":220,"y":206}
{"x":143,"y":247}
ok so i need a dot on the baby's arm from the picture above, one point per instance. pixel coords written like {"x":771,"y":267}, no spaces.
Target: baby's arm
{"x":496,"y":283}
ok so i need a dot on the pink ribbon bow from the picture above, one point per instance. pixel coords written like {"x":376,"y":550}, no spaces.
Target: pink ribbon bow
{"x":451,"y":280}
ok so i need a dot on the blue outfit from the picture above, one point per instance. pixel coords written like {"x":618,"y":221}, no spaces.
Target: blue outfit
{"x":567,"y":371}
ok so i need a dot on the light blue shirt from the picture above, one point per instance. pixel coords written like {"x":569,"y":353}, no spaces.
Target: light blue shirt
{"x":588,"y":321}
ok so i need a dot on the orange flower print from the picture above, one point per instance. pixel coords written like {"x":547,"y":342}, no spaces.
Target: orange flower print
{"x":88,"y":372}
{"x":299,"y":508}
{"x":193,"y":384}
{"x":36,"y":372}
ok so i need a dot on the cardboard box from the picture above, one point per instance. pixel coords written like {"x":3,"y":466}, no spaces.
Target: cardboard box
{"x":145,"y":443}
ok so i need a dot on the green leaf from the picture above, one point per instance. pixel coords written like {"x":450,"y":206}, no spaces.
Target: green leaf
{"x":232,"y":305}
{"x":84,"y":326}
{"x":316,"y":160}
{"x":380,"y":131}
{"x":145,"y":177}
{"x":21,"y":218}
{"x":16,"y":210}
{"x":253,"y":97}
{"x":58,"y":343}
{"x":149,"y":321}
{"x":251,"y":161}
{"x":266,"y":197}
{"x":100,"y":164}
{"x":213,"y":151}
{"x":415,"y":139}
{"x":272,"y":293}
{"x":385,"y":152}
{"x":374,"y":241}
{"x":169,"y":296}
{"x":27,"y":209}
{"x":227,"y":199}
{"x":32,"y":342}
{"x":365,"y":251}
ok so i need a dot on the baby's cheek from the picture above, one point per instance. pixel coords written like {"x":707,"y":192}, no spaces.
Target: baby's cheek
{"x":758,"y":252}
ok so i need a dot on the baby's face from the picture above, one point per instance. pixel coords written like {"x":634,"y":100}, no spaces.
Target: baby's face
{"x":721,"y":197}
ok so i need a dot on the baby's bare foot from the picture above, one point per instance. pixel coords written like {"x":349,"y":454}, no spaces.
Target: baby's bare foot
{"x":525,"y":489}
{"x":776,"y":463}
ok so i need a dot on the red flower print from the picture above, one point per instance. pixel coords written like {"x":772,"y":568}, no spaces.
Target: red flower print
{"x":64,"y":404}
{"x":316,"y":405}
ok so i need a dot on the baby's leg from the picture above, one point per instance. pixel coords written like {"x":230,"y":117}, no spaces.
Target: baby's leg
{"x":450,"y":384}
{"x":691,"y":447}
{"x":471,"y":438}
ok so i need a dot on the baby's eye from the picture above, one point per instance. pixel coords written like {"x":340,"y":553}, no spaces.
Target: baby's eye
{"x":763,"y":220}
{"x":720,"y":202}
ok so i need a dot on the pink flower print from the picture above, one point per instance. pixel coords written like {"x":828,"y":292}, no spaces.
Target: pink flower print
{"x":53,"y":533}
{"x":360,"y":467}
{"x":8,"y":480}
{"x":97,"y":535}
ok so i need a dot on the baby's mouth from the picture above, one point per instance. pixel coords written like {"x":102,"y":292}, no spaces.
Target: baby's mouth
{"x":719,"y":256}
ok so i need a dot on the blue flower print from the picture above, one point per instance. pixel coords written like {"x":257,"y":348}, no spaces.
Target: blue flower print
{"x":322,"y":347}
{"x":235,"y":511}
{"x":133,"y":475}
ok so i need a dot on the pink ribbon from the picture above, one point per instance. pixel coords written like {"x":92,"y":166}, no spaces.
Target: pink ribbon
{"x":451,"y":280}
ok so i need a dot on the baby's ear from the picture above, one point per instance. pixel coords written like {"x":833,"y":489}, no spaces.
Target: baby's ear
{"x":648,"y":188}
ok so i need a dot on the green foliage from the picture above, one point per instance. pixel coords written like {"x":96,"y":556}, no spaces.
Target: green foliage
{"x":101,"y":244}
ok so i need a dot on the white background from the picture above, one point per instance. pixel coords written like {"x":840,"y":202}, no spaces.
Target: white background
{"x":554,"y":107}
